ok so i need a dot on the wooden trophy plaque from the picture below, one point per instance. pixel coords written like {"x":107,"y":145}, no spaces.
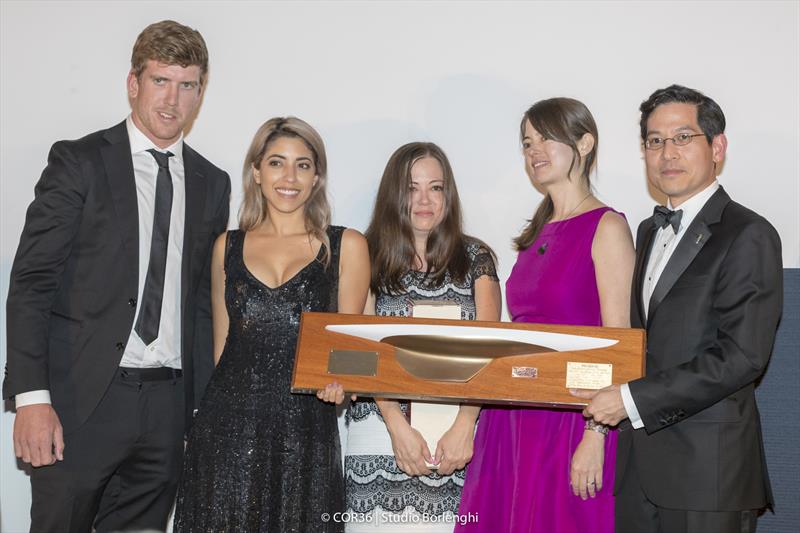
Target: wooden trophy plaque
{"x":466,"y":361}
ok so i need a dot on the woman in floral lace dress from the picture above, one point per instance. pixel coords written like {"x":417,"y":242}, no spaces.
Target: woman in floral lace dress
{"x":418,"y":253}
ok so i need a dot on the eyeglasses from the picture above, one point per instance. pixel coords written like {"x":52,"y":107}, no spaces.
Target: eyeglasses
{"x":681,"y":139}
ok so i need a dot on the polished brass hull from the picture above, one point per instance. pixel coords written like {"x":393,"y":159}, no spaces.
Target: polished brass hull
{"x":439,"y":358}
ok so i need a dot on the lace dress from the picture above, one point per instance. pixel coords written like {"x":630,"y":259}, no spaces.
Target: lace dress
{"x":380,"y":495}
{"x":260,"y":458}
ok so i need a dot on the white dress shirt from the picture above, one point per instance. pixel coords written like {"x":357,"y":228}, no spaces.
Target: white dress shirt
{"x":664,"y":245}
{"x":165,"y":350}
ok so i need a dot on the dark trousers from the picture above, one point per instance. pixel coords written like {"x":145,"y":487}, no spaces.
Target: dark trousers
{"x":634,"y":513}
{"x":120,"y":469}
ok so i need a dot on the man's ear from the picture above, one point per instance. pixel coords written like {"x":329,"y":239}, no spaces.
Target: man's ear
{"x":719,"y":146}
{"x":133,"y":84}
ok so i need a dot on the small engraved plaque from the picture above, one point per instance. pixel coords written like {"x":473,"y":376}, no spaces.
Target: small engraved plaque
{"x":353,"y":363}
{"x":530,"y":372}
{"x":588,"y":375}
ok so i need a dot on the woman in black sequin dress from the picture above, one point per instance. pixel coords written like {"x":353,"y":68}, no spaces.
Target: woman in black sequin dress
{"x":260,"y":458}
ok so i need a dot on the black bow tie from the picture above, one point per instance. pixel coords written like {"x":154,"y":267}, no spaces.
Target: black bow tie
{"x":663,"y":217}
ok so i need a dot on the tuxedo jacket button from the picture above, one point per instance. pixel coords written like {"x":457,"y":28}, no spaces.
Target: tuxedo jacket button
{"x":132,"y":302}
{"x":120,"y":346}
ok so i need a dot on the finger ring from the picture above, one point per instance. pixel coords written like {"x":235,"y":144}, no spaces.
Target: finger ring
{"x":591,"y":483}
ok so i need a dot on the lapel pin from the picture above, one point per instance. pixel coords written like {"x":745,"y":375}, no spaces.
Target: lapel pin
{"x":699,"y":238}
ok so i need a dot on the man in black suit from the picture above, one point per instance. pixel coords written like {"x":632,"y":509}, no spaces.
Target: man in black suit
{"x":708,"y":288}
{"x":109,"y":324}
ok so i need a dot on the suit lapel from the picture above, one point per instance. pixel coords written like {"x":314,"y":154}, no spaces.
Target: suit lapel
{"x":644,"y":247}
{"x":195,"y":184}
{"x":122,"y":184}
{"x":695,"y":238}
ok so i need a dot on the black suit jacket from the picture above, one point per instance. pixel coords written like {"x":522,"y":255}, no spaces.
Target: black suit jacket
{"x":74,"y":282}
{"x":710,"y":330}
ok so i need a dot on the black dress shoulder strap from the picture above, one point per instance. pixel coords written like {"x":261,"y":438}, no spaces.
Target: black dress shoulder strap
{"x":335,"y":237}
{"x":232,"y":239}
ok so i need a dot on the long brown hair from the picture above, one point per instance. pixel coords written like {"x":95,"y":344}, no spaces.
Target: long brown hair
{"x":390,"y":235}
{"x":563,"y":120}
{"x":317,"y":209}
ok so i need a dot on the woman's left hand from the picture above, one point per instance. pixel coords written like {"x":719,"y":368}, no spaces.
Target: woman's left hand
{"x":586,"y":469}
{"x":333,"y":393}
{"x":454,"y":449}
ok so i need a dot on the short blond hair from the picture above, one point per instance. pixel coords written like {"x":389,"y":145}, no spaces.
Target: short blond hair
{"x":170,"y":43}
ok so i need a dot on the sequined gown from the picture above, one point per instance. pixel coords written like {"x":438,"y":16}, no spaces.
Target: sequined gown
{"x":260,"y":458}
{"x":376,"y":487}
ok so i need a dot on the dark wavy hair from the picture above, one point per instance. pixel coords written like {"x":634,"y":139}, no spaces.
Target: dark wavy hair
{"x":710,"y":117}
{"x":564,"y":120}
{"x":390,"y":235}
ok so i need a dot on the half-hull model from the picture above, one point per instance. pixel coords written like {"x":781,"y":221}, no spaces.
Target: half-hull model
{"x":480,"y":362}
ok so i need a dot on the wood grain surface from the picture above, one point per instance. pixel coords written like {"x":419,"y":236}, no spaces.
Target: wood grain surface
{"x":494,"y":384}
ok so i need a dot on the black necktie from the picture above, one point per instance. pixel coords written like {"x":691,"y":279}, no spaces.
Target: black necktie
{"x":150,"y":309}
{"x":663,"y":217}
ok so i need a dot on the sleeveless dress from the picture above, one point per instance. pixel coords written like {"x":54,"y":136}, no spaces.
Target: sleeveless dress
{"x":378,"y":492}
{"x":260,"y":458}
{"x":518,"y":480}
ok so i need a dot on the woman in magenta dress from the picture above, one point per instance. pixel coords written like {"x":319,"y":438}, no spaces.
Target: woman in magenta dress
{"x":547,"y":470}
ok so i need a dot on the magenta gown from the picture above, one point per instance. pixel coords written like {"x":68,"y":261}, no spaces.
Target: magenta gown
{"x":518,"y":480}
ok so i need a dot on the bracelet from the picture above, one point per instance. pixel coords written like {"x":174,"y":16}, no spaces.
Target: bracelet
{"x":594,"y":426}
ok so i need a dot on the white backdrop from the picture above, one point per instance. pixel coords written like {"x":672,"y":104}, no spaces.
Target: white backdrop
{"x":372,"y":76}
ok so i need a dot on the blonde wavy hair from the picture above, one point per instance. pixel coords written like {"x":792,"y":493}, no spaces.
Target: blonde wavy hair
{"x":317,"y":209}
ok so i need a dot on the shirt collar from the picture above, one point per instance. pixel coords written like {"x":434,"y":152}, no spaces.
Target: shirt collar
{"x":140,"y":143}
{"x":693,"y":205}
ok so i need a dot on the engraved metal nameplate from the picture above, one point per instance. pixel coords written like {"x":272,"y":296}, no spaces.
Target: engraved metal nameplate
{"x":353,"y":362}
{"x":588,"y":375}
{"x":530,"y":372}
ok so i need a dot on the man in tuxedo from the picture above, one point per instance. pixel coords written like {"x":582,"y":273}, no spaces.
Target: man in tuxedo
{"x":109,"y":323}
{"x":708,"y":289}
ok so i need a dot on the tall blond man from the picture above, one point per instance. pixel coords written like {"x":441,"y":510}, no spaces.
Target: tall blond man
{"x":108,"y":309}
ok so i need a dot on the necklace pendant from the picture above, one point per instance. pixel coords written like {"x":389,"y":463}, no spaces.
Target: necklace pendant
{"x":542,"y":249}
